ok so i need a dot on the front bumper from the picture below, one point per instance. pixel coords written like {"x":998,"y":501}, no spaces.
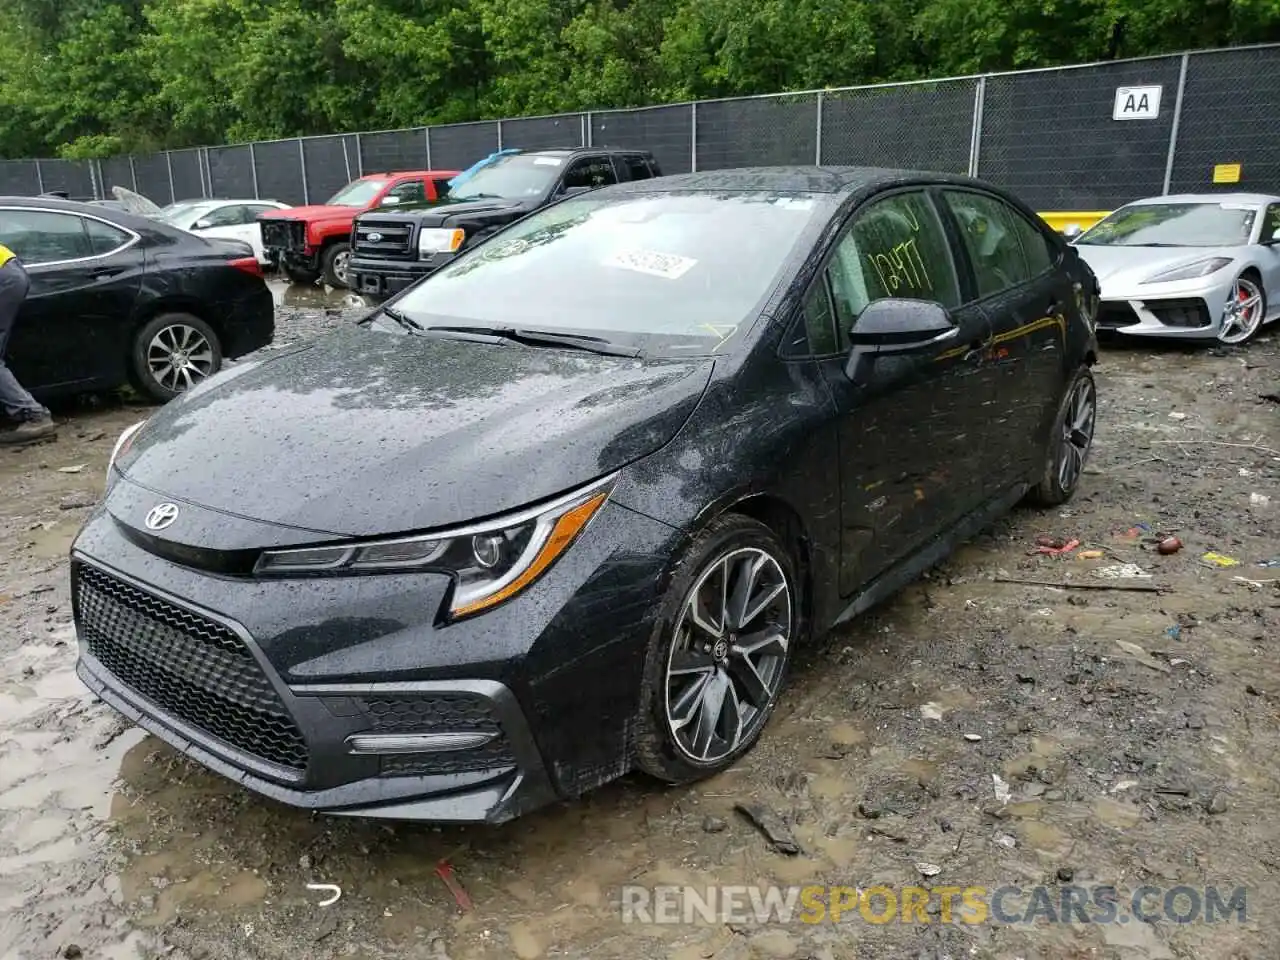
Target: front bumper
{"x":1186,"y":309}
{"x":267,"y":682}
{"x":378,"y":277}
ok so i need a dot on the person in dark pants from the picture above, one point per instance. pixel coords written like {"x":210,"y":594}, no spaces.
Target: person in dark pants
{"x":32,"y":420}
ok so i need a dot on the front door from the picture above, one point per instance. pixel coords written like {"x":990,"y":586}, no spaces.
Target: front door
{"x":906,"y":442}
{"x":85,"y":276}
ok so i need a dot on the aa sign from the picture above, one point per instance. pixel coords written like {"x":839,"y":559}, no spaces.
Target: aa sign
{"x":1137,"y":103}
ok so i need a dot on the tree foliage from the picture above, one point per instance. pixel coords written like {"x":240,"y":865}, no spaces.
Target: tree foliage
{"x":82,"y":78}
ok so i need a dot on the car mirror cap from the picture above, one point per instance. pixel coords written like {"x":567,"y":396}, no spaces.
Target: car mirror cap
{"x":202,"y":224}
{"x":900,"y":321}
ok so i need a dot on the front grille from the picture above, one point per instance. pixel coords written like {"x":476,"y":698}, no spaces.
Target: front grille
{"x":1115,"y":313}
{"x":192,"y":667}
{"x":1187,"y":314}
{"x":394,"y":239}
{"x":438,"y":713}
{"x":282,"y":234}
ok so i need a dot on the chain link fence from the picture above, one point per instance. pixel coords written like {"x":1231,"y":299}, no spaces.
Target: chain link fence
{"x":1050,"y":135}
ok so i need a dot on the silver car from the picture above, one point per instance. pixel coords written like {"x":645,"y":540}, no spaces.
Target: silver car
{"x":1194,"y":266}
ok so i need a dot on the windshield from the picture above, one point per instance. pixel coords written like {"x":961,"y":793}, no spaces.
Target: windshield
{"x":514,"y":177}
{"x":357,"y":193}
{"x":665,"y":272}
{"x":1174,"y":225}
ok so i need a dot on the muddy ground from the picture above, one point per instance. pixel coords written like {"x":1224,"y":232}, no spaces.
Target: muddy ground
{"x":1137,"y":733}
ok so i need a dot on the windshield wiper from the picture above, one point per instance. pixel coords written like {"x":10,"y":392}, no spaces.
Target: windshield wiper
{"x":411,"y":325}
{"x":545,"y":338}
{"x":476,"y":196}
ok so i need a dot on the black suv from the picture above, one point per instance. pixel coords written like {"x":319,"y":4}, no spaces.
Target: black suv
{"x":392,"y":250}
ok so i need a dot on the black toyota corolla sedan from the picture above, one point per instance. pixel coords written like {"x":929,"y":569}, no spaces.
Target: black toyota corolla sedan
{"x":567,"y":507}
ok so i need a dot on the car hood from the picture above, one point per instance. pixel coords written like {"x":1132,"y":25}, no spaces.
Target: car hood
{"x":1126,"y":266}
{"x":467,"y":208}
{"x":365,"y":433}
{"x":317,"y":211}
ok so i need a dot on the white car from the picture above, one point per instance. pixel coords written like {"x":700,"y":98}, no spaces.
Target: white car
{"x":1195,"y":266}
{"x":222,"y":220}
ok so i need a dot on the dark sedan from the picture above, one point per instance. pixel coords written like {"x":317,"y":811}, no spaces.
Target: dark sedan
{"x":116,"y":298}
{"x":566,"y":508}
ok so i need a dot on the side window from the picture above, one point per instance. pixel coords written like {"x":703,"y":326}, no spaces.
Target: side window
{"x":254,"y":210}
{"x":1270,"y":224}
{"x":820,"y":321}
{"x":441,"y":185}
{"x":637,"y":167}
{"x":1035,"y":245}
{"x":992,"y":233}
{"x":228,"y":216}
{"x":895,"y":248}
{"x":104,"y":238}
{"x":411,"y":191}
{"x":591,"y":172}
{"x":38,"y":236}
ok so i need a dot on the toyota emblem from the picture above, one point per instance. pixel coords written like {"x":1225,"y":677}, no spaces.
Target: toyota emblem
{"x":161,"y":516}
{"x":375,"y":237}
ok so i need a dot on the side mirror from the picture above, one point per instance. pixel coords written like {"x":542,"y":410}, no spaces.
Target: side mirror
{"x":204,"y":223}
{"x":898,"y":326}
{"x":1071,"y":231}
{"x":390,"y":202}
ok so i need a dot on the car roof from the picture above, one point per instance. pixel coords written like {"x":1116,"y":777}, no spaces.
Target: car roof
{"x":1247,"y":198}
{"x":837,"y":181}
{"x":574,"y":151}
{"x":409,"y":173}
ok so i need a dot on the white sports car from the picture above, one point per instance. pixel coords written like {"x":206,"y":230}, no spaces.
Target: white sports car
{"x":1194,"y":266}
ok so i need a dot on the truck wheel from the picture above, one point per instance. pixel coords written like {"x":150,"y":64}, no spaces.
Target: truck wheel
{"x":300,"y":275}
{"x":336,"y":259}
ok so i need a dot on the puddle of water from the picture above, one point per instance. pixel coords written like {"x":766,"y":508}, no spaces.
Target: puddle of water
{"x":1114,"y":813}
{"x":1045,"y":838}
{"x":311,"y":295}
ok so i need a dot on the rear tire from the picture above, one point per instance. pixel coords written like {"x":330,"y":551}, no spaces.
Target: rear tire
{"x":719,"y":651}
{"x":171,"y":353}
{"x":333,"y":264}
{"x":1070,"y":441}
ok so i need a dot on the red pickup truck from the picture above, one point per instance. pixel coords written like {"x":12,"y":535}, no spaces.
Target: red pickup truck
{"x":313,"y":242}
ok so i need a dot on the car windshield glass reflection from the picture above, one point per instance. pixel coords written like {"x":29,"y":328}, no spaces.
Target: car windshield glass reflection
{"x":358,"y":193}
{"x":678,"y":272}
{"x":510,"y":178}
{"x":1174,"y":225}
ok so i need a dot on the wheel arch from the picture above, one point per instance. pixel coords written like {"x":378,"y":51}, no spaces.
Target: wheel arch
{"x":179,"y":303}
{"x":779,"y":516}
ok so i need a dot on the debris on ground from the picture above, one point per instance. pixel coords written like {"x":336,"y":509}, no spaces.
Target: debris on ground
{"x":771,"y":825}
{"x":1169,"y":546}
{"x":444,"y":871}
{"x":1054,"y":546}
{"x":1220,"y":559}
{"x":1122,"y":571}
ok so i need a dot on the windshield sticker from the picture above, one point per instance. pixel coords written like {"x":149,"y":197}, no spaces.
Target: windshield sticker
{"x":669,"y":266}
{"x":547,"y":161}
{"x":793,"y":203}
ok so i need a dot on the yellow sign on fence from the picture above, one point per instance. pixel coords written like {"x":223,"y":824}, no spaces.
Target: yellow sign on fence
{"x":1226,"y":173}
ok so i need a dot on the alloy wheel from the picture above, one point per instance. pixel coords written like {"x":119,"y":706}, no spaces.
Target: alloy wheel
{"x":1242,"y":314}
{"x":179,"y":356}
{"x":729,"y":654}
{"x":1077,"y":433}
{"x":340,"y":264}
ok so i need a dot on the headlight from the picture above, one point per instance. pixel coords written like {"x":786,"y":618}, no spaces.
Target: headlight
{"x":1189,"y":271}
{"x":439,"y":240}
{"x":123,"y":442}
{"x":490,"y":562}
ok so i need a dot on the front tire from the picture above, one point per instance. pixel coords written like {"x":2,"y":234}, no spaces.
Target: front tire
{"x":173,"y":352}
{"x":719,"y":652}
{"x":1245,"y":311}
{"x":334,"y":263}
{"x":1070,"y":441}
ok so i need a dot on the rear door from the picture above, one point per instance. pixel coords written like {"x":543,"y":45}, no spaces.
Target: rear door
{"x":904,"y":436}
{"x":1269,"y":257}
{"x":1026,"y":299}
{"x":85,"y":277}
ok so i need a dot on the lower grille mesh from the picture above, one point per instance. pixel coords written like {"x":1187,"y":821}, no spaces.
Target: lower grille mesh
{"x":193,"y":667}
